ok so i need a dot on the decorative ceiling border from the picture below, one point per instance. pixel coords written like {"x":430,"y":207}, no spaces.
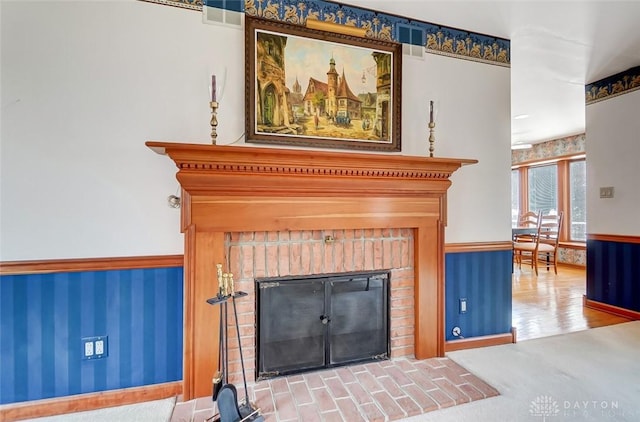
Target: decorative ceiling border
{"x":438,"y":39}
{"x":613,"y":86}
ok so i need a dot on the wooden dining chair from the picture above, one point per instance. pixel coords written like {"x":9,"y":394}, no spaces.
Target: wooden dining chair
{"x":528,"y":219}
{"x":545,"y":246}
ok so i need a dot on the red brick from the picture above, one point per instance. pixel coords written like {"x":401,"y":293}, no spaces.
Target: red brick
{"x":396,"y":252}
{"x":359,"y":394}
{"x":338,"y":254}
{"x":285,"y":406}
{"x":283,"y":260}
{"x":471,"y":391}
{"x":454,"y":392}
{"x":372,"y":413}
{"x":272,"y":260}
{"x":368,"y":382}
{"x":332,"y":416}
{"x":424,"y":401}
{"x":391,"y":387}
{"x":294,"y":259}
{"x":348,"y":255}
{"x":323,"y":399}
{"x":345,"y":375}
{"x":279,"y":385}
{"x":409,"y":406}
{"x":318,"y":257}
{"x":314,"y":380}
{"x":349,"y":410}
{"x":368,"y":255}
{"x":305,"y":258}
{"x":482,"y":386}
{"x":309,"y":413}
{"x":386,"y":253}
{"x":441,"y":398}
{"x":260,"y":261}
{"x":300,"y":393}
{"x":421,"y":380}
{"x":388,"y":405}
{"x":327,"y":256}
{"x":398,"y":376}
{"x":336,"y":388}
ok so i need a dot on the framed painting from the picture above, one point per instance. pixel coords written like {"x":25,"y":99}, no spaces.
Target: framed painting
{"x":313,"y":88}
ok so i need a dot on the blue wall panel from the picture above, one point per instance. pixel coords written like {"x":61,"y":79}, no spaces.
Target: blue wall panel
{"x":613,"y":273}
{"x":484,"y":279}
{"x":44,"y":316}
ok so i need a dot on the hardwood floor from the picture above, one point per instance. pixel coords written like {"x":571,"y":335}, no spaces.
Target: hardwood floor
{"x":550,"y":304}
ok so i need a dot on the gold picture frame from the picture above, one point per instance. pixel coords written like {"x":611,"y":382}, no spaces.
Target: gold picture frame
{"x":313,"y":88}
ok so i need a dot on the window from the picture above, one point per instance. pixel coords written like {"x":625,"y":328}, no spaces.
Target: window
{"x":578,"y":201}
{"x":515,"y":206}
{"x":543,"y":189}
{"x":553,"y":186}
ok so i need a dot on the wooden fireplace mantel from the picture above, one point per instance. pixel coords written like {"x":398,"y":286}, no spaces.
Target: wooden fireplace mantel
{"x":229,"y":189}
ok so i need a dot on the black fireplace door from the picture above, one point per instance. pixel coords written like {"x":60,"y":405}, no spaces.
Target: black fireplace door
{"x":291,"y":336}
{"x":359,"y":327}
{"x":319,"y":322}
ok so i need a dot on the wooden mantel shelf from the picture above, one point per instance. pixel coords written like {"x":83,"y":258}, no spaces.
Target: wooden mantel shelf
{"x":243,"y":189}
{"x":197,"y":162}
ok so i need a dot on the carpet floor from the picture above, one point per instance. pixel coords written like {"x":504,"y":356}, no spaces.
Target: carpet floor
{"x":591,"y":375}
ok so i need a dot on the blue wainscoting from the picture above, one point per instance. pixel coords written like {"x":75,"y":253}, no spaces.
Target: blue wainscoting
{"x":613,"y":273}
{"x":484,"y":279}
{"x":44,"y":316}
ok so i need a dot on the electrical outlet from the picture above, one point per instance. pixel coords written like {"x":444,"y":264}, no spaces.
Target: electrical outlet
{"x":99,"y":347}
{"x":95,"y":347}
{"x":88,"y":349}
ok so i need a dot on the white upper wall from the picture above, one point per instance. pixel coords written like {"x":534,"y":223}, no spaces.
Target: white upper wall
{"x":613,"y":150}
{"x":85,"y":84}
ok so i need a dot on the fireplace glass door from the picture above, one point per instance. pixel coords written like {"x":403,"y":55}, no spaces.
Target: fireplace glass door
{"x":321,"y":321}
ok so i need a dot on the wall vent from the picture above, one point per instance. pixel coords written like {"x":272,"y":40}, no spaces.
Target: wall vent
{"x":226,"y":12}
{"x":413,"y":40}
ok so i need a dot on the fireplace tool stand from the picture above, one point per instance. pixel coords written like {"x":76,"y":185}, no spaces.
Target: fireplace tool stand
{"x":225,"y":394}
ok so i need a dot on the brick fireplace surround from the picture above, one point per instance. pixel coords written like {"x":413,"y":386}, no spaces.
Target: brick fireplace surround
{"x":266,"y":212}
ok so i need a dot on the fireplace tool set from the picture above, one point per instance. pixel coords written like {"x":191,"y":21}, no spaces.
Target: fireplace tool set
{"x":224,"y":393}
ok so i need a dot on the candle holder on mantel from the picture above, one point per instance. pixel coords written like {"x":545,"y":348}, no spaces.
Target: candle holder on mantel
{"x":432,"y":138}
{"x":214,"y":121}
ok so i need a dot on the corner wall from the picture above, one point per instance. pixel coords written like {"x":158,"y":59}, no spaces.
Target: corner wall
{"x":613,"y":252}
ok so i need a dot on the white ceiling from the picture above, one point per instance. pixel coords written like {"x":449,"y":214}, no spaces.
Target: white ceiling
{"x":557,"y":47}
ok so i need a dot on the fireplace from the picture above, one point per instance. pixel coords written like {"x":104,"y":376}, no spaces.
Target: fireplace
{"x":228,"y":189}
{"x":314,"y":322}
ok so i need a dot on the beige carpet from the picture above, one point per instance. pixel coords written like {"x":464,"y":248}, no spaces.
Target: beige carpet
{"x":151,"y":411}
{"x":591,"y":375}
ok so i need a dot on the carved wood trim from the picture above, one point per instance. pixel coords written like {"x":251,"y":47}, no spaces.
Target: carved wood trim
{"x":228,"y":188}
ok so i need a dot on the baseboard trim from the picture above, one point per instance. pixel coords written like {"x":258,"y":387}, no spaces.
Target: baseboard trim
{"x":90,"y":401}
{"x":482,"y":341}
{"x":610,"y":309}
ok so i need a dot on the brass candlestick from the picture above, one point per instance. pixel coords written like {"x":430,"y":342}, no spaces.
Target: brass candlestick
{"x":432,"y":138}
{"x":214,"y":121}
